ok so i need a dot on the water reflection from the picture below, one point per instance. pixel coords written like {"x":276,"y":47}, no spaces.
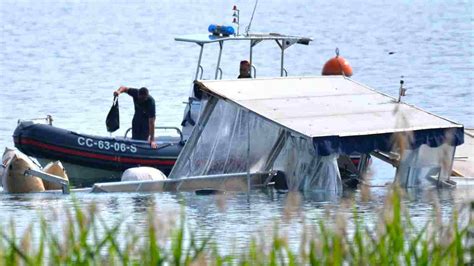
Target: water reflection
{"x":143,"y":202}
{"x":113,"y":204}
{"x":230,"y":216}
{"x":325,"y":196}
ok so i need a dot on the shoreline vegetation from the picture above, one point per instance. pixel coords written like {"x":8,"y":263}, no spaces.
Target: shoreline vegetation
{"x":85,"y":239}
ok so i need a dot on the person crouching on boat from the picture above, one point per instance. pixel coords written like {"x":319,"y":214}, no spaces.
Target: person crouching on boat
{"x":244,"y":70}
{"x":143,"y":123}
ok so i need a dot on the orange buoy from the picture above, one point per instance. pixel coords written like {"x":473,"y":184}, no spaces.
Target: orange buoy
{"x":337,"y":66}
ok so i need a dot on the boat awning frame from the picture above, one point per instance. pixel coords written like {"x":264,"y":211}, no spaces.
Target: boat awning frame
{"x":201,"y":39}
{"x":283,"y":41}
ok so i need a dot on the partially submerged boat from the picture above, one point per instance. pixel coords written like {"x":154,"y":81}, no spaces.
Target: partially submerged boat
{"x":300,"y":133}
{"x":89,"y":158}
{"x":291,"y":132}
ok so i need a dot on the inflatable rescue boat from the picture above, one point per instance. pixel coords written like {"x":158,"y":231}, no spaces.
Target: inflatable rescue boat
{"x":89,"y":159}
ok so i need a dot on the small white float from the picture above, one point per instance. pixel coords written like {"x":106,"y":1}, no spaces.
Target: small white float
{"x":142,"y":174}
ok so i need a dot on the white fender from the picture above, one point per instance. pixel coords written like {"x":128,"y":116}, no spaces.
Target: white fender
{"x":13,"y":179}
{"x":142,"y":174}
{"x":55,"y":168}
{"x":8,"y":155}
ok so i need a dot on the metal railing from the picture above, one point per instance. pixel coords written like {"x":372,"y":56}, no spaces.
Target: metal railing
{"x":165,"y":128}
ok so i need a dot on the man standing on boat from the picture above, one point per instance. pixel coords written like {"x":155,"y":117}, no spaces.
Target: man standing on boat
{"x":244,"y":70}
{"x":143,"y":123}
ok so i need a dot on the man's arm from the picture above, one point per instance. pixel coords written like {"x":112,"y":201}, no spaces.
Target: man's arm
{"x":120,"y":90}
{"x":151,"y":132}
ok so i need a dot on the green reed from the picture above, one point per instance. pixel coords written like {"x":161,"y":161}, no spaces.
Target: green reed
{"x":85,"y":239}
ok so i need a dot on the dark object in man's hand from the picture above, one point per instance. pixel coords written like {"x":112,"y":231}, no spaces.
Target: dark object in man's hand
{"x":113,"y":118}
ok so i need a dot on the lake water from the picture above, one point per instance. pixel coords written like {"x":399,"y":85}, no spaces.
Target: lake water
{"x":65,"y":58}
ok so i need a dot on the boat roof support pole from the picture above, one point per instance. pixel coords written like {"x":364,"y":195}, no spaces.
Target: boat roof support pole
{"x":282,"y":63}
{"x":283,"y":45}
{"x":252,"y":44}
{"x":248,"y":156}
{"x":282,"y":60}
{"x":250,"y":56}
{"x":199,"y":67}
{"x":218,"y":68}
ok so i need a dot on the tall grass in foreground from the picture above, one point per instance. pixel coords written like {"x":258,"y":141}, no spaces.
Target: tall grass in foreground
{"x":85,"y":239}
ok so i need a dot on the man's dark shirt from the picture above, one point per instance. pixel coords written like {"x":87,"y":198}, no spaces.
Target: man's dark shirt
{"x":248,"y":76}
{"x":143,"y":111}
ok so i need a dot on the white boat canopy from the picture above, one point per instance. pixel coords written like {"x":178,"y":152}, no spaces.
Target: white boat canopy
{"x":325,"y":106}
{"x":301,"y":125}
